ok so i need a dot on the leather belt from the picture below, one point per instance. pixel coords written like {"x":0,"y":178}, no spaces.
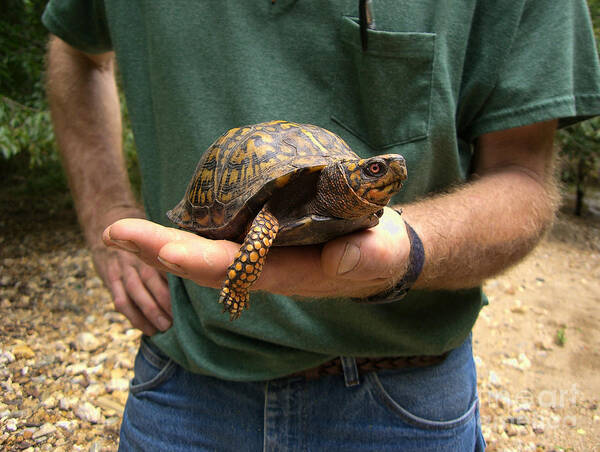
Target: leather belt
{"x":364,"y":365}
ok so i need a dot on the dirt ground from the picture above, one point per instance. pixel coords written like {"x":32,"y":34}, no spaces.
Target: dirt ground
{"x":66,"y":356}
{"x":537,"y":346}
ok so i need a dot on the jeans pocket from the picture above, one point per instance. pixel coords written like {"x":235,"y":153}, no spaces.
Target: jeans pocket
{"x":427,"y":398}
{"x":151,"y":369}
{"x":383,"y":95}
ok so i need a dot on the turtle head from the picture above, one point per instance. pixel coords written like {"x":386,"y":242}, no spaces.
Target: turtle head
{"x":376,"y":179}
{"x":358,"y":188}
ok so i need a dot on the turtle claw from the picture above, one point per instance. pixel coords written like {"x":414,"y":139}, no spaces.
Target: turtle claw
{"x":234,"y":303}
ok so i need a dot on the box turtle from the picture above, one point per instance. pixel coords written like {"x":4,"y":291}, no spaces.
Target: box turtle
{"x":281,"y":183}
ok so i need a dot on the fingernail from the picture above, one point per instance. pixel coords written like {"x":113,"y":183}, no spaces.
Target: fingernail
{"x":126,"y":245}
{"x":176,"y":268}
{"x":163,"y":323}
{"x":350,"y":259}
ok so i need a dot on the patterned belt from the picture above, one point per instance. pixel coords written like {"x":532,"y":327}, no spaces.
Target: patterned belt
{"x":364,"y":365}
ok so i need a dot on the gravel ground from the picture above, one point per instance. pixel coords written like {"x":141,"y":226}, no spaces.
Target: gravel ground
{"x":66,"y":356}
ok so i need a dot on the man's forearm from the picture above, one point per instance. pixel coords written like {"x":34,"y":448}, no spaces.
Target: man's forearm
{"x":87,"y":122}
{"x":480,"y":229}
{"x":485,"y":226}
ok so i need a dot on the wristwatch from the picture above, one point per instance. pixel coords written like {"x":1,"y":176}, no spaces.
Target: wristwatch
{"x":416,"y":261}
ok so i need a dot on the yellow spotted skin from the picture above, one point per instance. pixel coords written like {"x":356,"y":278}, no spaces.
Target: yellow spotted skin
{"x":248,"y":264}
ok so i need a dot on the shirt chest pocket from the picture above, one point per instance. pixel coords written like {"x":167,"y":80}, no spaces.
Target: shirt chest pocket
{"x":383,"y":94}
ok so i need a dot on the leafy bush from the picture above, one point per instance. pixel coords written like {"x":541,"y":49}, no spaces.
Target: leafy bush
{"x":23,"y":40}
{"x":580,"y":157}
{"x":580,"y":148}
{"x":24,"y":119}
{"x":26,"y":129}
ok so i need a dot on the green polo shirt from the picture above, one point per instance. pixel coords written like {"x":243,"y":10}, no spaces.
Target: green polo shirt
{"x":435,"y":76}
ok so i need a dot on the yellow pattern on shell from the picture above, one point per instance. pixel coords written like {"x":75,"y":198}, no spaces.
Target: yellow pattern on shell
{"x":316,"y":142}
{"x":244,"y":160}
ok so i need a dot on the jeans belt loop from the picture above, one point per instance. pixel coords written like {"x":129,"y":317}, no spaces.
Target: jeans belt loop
{"x":351,"y":377}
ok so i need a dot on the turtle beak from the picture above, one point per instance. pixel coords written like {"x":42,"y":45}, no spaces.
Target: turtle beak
{"x":396,"y":173}
{"x":397,"y":164}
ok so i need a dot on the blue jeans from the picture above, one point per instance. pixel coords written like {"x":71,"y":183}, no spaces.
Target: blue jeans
{"x":421,"y":409}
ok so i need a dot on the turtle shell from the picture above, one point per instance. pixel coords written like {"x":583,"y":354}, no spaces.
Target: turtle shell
{"x":238,"y":173}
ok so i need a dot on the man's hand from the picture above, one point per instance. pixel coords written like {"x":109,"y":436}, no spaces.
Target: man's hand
{"x":356,"y":265}
{"x":139,"y":291}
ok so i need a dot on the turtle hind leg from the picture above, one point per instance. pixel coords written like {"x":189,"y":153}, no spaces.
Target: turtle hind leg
{"x":248,"y":264}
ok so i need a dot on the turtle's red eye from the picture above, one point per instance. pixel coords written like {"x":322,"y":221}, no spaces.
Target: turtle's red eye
{"x":375,"y":168}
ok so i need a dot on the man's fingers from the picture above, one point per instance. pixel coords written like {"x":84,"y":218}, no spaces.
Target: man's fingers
{"x":203,"y":261}
{"x":178,"y":252}
{"x":378,"y":253}
{"x":141,"y":237}
{"x":359,"y":257}
{"x":125,"y":306}
{"x":144,"y":301}
{"x":157,"y":285}
{"x":139,"y":291}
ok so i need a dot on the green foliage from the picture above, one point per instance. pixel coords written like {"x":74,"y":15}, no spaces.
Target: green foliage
{"x":25,"y":125}
{"x":561,"y":337}
{"x":580,"y":146}
{"x":23,"y":41}
{"x":26,"y":129}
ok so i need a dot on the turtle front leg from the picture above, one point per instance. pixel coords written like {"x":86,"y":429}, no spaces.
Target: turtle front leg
{"x":248,"y":263}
